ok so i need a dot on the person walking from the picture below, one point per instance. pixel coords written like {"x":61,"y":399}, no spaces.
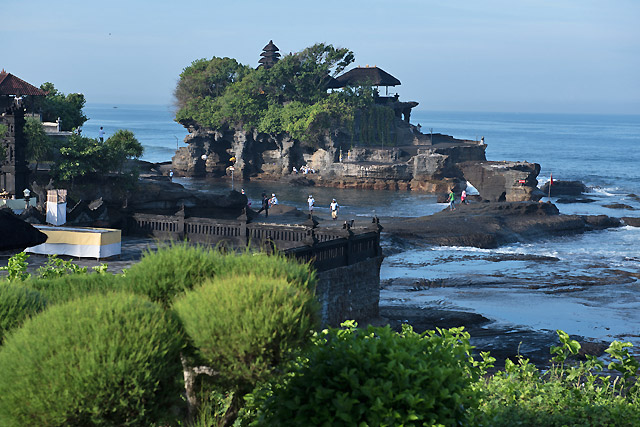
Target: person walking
{"x":170,"y":174}
{"x":334,"y":207}
{"x":101,"y":134}
{"x":452,"y":201}
{"x":311,"y":202}
{"x":265,"y":205}
{"x":463,"y":197}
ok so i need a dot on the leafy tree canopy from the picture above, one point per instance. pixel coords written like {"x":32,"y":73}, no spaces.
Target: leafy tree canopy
{"x":67,"y":107}
{"x":80,"y":155}
{"x":289,"y":97}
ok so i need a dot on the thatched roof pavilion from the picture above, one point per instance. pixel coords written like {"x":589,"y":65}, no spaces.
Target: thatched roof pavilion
{"x":361,"y":76}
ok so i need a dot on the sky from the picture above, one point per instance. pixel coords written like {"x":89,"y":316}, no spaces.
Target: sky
{"x":546,"y":56}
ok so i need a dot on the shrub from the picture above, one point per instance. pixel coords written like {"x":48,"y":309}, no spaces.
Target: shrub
{"x":565,"y":394}
{"x":100,"y":360}
{"x":17,"y":303}
{"x":70,"y":286}
{"x":375,"y":377}
{"x":178,"y":267}
{"x":243,"y":326}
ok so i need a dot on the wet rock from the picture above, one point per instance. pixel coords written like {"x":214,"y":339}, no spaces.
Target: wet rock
{"x":599,"y":222}
{"x":503,"y":181}
{"x":619,"y":206}
{"x":489,"y":225}
{"x":564,"y":188}
{"x":632,"y":221}
{"x":568,"y":200}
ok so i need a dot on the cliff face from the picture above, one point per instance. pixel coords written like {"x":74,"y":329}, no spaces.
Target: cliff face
{"x":419,"y":162}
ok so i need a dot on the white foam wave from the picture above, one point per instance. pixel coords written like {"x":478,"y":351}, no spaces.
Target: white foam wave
{"x":606,"y":191}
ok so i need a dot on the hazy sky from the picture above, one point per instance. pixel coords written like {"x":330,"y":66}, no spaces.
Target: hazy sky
{"x":570,"y":56}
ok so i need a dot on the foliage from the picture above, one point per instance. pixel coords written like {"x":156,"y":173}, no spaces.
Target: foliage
{"x":17,"y":267}
{"x":375,"y":377}
{"x":80,"y":155}
{"x":59,"y":288}
{"x":120,"y":147}
{"x":303,"y":76}
{"x":178,"y":267}
{"x":56,"y":267}
{"x":564,"y":395}
{"x":208,"y":78}
{"x":38,"y":144}
{"x":245,"y":325}
{"x":68,"y":107}
{"x":101,"y":360}
{"x":289,"y":97}
{"x":17,"y":303}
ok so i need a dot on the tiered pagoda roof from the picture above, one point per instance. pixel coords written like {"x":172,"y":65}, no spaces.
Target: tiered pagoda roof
{"x":270,"y":55}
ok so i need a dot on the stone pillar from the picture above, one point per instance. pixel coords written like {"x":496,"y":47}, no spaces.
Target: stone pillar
{"x":15,"y":173}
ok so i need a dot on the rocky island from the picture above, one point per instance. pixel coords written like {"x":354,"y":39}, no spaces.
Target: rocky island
{"x":299,"y":113}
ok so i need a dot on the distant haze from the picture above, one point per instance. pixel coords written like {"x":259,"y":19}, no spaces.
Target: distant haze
{"x":566,"y":56}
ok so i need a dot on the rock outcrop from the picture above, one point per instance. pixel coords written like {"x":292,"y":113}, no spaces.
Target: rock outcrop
{"x":489,"y":225}
{"x":504,"y":181}
{"x":433,"y":163}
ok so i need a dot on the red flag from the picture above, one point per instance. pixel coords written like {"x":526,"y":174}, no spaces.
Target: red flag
{"x":551,"y":180}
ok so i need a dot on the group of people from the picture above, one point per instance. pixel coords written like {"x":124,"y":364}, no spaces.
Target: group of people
{"x":452,"y":199}
{"x":304,"y":169}
{"x":268,"y":202}
{"x":334,"y":207}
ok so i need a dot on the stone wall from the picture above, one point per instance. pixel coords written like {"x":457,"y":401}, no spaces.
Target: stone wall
{"x":351,"y":292}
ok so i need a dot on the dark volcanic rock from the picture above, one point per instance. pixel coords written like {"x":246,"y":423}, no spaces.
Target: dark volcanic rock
{"x":16,"y":233}
{"x":567,"y":200}
{"x":632,"y":221}
{"x":599,"y":222}
{"x":565,"y":188}
{"x":489,"y":225}
{"x":619,"y":206}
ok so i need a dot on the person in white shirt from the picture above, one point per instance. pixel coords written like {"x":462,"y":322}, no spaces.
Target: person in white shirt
{"x":334,"y":207}
{"x":311,"y":201}
{"x":274,"y":200}
{"x":101,"y":134}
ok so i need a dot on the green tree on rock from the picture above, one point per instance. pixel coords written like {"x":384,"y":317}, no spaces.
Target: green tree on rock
{"x":38,"y":143}
{"x":122,"y":146}
{"x":68,"y":107}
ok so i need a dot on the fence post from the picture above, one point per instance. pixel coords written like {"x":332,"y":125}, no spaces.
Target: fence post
{"x":180,"y":219}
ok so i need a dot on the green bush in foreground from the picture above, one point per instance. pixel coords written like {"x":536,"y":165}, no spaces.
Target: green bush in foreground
{"x":178,"y":267}
{"x":244,"y":326}
{"x":58,"y":289}
{"x":17,"y":303}
{"x":99,"y":360}
{"x":565,"y":394}
{"x":375,"y":377}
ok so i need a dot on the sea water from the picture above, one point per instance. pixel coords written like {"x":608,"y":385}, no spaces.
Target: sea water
{"x":549,"y":286}
{"x":152,"y":125}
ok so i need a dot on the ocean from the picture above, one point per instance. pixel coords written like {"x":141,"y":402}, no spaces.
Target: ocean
{"x":586,"y":285}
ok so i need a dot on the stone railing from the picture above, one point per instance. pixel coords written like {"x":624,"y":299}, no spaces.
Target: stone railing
{"x":325,"y":248}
